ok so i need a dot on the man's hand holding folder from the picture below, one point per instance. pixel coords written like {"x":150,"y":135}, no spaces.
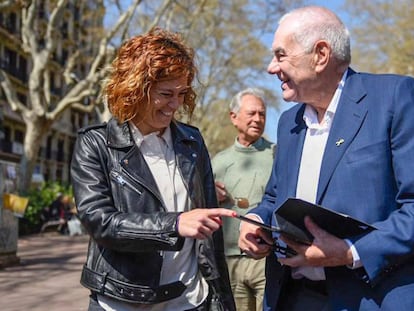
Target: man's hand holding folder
{"x":273,"y":243}
{"x":325,"y":230}
{"x":290,"y":217}
{"x":315,"y":235}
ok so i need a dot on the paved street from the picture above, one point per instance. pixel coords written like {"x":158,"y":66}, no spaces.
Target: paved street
{"x":48,"y":275}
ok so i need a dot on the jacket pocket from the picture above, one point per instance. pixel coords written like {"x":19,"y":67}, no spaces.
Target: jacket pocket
{"x":124,"y":190}
{"x":367,"y":152}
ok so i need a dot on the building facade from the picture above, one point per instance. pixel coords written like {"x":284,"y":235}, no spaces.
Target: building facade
{"x":56,"y":148}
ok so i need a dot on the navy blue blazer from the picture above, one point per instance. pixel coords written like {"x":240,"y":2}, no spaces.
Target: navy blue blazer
{"x":369,"y":176}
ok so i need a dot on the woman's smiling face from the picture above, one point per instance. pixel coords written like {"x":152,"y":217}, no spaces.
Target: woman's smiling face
{"x":165,"y":98}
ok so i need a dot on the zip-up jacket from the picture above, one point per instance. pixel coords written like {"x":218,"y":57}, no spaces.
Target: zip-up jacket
{"x":119,"y":204}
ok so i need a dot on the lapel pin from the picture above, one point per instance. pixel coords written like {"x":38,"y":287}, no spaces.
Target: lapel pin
{"x":339,"y":142}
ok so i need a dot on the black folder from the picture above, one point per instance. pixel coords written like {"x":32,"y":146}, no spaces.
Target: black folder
{"x":290,"y":219}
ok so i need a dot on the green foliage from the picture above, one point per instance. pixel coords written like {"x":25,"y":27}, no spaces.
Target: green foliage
{"x":383,"y":34}
{"x":40,"y":198}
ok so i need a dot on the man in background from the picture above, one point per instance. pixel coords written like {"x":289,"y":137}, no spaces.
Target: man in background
{"x":241,"y":173}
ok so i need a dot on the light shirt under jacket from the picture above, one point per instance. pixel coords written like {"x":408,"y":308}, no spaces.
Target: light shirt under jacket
{"x":159,"y":154}
{"x":310,"y":166}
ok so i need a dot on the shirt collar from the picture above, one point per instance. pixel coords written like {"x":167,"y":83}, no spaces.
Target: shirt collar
{"x":139,"y":138}
{"x":310,"y":116}
{"x":254,"y":146}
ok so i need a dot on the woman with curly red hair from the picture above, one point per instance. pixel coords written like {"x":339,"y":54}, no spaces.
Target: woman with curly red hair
{"x":144,"y":189}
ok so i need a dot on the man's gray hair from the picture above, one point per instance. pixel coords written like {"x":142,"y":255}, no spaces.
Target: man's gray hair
{"x":314,"y":23}
{"x":235,"y":102}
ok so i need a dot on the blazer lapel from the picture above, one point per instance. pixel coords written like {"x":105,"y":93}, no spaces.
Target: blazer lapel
{"x":348,"y":119}
{"x":295,"y":146}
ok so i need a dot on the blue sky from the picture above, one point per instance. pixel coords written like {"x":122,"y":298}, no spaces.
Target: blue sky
{"x":272,"y":114}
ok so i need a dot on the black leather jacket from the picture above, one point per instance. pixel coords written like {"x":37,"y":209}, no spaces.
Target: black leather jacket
{"x":120,"y":206}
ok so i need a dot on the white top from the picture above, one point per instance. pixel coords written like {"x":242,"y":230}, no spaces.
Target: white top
{"x":310,"y":165}
{"x":159,"y":154}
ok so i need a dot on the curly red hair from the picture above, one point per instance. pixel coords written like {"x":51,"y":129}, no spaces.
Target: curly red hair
{"x":143,"y":61}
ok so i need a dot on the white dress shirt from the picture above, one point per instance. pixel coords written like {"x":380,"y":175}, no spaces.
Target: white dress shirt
{"x":310,"y":166}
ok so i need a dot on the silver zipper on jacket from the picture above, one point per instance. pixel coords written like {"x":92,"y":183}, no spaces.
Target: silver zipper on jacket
{"x":128,"y":175}
{"x":159,"y":237}
{"x":122,"y":181}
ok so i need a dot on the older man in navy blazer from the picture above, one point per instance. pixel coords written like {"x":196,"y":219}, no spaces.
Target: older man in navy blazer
{"x":347,"y":145}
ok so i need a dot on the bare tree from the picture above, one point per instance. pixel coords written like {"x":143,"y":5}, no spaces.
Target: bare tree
{"x":39,"y":37}
{"x":383,"y":35}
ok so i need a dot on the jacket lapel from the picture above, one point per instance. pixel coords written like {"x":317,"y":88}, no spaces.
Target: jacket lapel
{"x":129,"y":156}
{"x":348,"y":119}
{"x":185,"y":156}
{"x":295,"y":146}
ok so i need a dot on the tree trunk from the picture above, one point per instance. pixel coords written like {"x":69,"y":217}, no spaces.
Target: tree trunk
{"x":36,"y":128}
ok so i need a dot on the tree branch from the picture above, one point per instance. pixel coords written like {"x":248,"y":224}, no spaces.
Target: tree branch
{"x":68,"y":71}
{"x":123,"y":19}
{"x":55,"y":18}
{"x":46,"y":88}
{"x":8,"y":4}
{"x":30,"y":44}
{"x":9,"y":91}
{"x":160,"y":13}
{"x":73,"y":101}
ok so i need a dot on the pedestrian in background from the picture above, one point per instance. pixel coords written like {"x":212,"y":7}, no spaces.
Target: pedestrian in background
{"x":144,"y":189}
{"x":347,"y":145}
{"x":241,"y":172}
